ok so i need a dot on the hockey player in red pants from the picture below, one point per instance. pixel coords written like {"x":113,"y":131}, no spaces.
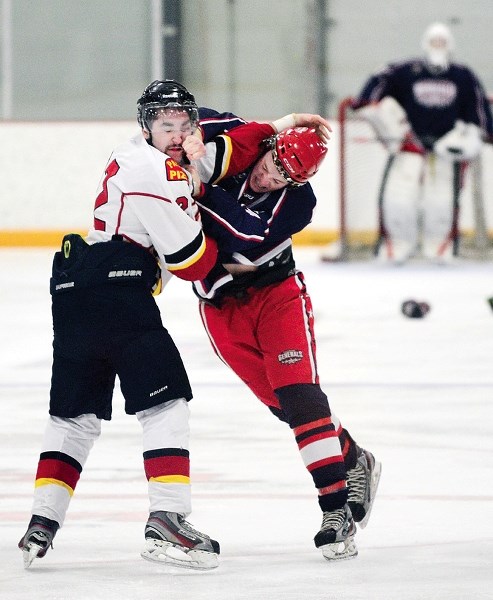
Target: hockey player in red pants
{"x":257,"y":312}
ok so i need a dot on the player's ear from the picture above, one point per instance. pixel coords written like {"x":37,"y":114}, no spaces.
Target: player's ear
{"x":146,"y":134}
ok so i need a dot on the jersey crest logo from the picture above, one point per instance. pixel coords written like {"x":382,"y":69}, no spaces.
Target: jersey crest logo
{"x":289,"y":357}
{"x":174,"y":172}
{"x":435,"y":94}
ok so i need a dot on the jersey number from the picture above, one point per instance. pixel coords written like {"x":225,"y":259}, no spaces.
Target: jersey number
{"x":182,"y":202}
{"x":111,"y":170}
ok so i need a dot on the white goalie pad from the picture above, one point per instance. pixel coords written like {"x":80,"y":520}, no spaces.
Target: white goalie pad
{"x":400,"y":208}
{"x":463,"y":142}
{"x":389,"y":121}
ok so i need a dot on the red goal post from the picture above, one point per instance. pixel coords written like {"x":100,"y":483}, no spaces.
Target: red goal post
{"x":362,"y":163}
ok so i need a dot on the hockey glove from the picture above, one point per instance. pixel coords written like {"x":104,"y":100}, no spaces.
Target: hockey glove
{"x":463,"y":142}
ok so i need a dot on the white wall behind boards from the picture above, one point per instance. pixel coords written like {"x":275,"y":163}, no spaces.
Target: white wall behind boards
{"x":50,"y":172}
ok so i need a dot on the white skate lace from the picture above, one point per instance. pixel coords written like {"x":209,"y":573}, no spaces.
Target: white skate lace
{"x":334,"y":519}
{"x":186,"y":525}
{"x":356,"y":481}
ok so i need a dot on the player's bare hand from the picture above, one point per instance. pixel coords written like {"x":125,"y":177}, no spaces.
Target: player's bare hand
{"x":194,"y":147}
{"x":194,"y":180}
{"x":321,"y":125}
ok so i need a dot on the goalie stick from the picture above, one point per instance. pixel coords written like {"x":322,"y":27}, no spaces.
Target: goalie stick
{"x":456,"y":187}
{"x":381,"y":223}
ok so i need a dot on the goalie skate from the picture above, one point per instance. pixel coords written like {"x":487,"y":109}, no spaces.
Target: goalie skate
{"x":171,"y":540}
{"x":362,"y":484}
{"x":336,"y":536}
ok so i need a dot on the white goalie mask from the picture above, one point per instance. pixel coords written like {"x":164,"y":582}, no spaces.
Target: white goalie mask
{"x":438,"y":44}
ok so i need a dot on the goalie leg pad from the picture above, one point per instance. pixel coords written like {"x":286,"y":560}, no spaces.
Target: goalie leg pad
{"x":400,"y":207}
{"x":438,"y":208}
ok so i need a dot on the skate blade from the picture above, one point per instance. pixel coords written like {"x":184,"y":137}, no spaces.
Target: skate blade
{"x":375,"y":480}
{"x":340,"y":550}
{"x":168,"y":554}
{"x":29,"y":553}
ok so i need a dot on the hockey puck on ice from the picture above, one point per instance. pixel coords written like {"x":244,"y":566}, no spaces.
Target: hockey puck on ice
{"x":415,"y":310}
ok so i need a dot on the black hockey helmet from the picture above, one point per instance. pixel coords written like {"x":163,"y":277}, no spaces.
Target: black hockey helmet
{"x":165,"y":94}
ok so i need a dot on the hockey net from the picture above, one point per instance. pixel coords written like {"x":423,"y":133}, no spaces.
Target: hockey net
{"x":363,"y":160}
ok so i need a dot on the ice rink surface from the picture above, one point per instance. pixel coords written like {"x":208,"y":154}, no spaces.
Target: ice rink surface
{"x":417,"y":392}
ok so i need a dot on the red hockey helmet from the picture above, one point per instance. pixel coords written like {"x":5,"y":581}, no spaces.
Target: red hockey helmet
{"x":298,"y":154}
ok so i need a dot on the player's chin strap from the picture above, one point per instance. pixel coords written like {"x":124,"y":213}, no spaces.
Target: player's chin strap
{"x":282,"y":171}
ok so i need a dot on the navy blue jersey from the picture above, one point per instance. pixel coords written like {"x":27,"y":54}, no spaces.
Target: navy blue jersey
{"x":250,"y":228}
{"x":232,"y":144}
{"x":432,"y":102}
{"x":213,"y":123}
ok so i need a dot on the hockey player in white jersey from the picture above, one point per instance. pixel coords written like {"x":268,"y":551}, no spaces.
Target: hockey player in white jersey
{"x":432,"y":128}
{"x":106,"y":323}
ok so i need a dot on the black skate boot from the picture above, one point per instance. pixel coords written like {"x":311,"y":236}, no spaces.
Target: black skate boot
{"x":37,"y":539}
{"x":336,"y":535}
{"x":172,"y":540}
{"x":362,"y":482}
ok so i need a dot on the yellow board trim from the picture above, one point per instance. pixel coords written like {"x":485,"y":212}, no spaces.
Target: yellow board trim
{"x":45,"y":237}
{"x":47,"y":481}
{"x":307,"y":237}
{"x":315,"y":237}
{"x":360,"y":237}
{"x":53,"y":238}
{"x":170,"y":479}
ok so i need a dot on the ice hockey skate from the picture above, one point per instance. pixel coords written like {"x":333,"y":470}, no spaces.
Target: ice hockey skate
{"x":171,"y":540}
{"x":362,"y":482}
{"x":37,"y":539}
{"x":336,"y":536}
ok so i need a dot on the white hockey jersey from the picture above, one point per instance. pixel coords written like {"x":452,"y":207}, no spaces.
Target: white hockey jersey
{"x":144,"y":196}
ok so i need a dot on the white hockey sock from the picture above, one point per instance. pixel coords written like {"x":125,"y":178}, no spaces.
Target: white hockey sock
{"x":66,"y":446}
{"x":166,"y":434}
